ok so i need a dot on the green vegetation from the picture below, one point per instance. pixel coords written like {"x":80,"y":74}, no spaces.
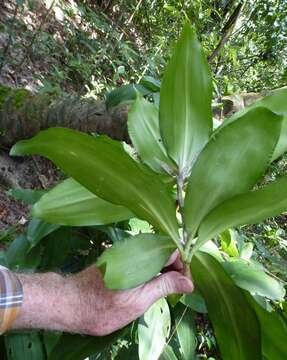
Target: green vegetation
{"x":212,"y":193}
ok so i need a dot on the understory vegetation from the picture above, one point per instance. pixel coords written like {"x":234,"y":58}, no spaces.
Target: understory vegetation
{"x":109,"y":67}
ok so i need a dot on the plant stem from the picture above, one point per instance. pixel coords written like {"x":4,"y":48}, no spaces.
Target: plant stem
{"x":188,"y":247}
{"x":180,"y":199}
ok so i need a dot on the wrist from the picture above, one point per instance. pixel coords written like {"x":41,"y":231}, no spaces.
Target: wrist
{"x":51,"y":302}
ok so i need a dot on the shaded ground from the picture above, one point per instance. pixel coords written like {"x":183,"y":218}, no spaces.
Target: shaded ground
{"x":32,"y":173}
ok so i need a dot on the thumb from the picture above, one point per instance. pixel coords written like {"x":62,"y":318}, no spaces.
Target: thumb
{"x":171,"y":282}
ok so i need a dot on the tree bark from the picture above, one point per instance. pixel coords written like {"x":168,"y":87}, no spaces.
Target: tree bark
{"x":22,"y":115}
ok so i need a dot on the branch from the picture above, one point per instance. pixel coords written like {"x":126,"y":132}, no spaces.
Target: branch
{"x":227,"y":31}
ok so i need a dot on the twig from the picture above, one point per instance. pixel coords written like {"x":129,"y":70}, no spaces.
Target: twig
{"x":176,"y":327}
{"x":131,"y":18}
{"x":227,"y":31}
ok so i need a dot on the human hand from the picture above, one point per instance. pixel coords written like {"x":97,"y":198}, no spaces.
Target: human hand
{"x":82,"y":304}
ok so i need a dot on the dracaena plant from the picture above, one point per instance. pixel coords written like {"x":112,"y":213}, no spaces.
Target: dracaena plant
{"x":190,"y":183}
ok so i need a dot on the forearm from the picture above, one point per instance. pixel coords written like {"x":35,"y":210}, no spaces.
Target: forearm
{"x":51,"y":302}
{"x":82,"y":304}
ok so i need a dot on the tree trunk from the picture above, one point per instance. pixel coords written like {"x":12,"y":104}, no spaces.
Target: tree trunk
{"x":22,"y":115}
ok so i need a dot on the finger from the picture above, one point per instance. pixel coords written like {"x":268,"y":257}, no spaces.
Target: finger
{"x":168,"y":283}
{"x":174,"y":256}
{"x":174,"y":263}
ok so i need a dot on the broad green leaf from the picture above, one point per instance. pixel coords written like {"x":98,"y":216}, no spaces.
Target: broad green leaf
{"x":143,"y":126}
{"x":153,"y":330}
{"x":50,"y":340}
{"x":248,"y":208}
{"x":150,"y":83}
{"x":282,"y":143}
{"x":168,"y":354}
{"x":114,"y":233}
{"x":228,"y":243}
{"x":195,"y":301}
{"x":185,"y":331}
{"x":20,"y":254}
{"x":57,"y":249}
{"x":79,"y":347}
{"x":185,"y":102}
{"x":134,"y":260}
{"x":69,"y":203}
{"x":273,"y":332}
{"x":24,"y":346}
{"x":231,"y":163}
{"x":246,"y":251}
{"x":252,"y":278}
{"x":235,"y":324}
{"x":277,"y":103}
{"x":103,"y":167}
{"x":125,"y":94}
{"x":37,"y":230}
{"x":138,"y":226}
{"x":212,"y":249}
{"x":28,"y":196}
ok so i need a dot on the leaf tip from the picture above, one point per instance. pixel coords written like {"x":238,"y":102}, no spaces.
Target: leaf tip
{"x":16,"y":150}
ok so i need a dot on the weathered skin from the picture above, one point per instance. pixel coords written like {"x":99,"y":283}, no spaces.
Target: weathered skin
{"x":88,"y":307}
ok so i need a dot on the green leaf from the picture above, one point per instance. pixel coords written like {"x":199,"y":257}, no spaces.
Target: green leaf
{"x":69,"y":203}
{"x":195,"y":301}
{"x":153,"y":330}
{"x":252,"y":278}
{"x":235,"y":324}
{"x":57,"y":248}
{"x":24,"y":346}
{"x":20,"y":255}
{"x":143,"y":126}
{"x":103,"y":167}
{"x":134,"y":260}
{"x":79,"y":347}
{"x":138,"y":226}
{"x":186,"y":332}
{"x":28,"y":196}
{"x":249,"y":208}
{"x":273,"y":332}
{"x":150,"y":83}
{"x":168,"y":354}
{"x":231,"y":163}
{"x":277,"y":103}
{"x":124,"y":94}
{"x":185,"y":102}
{"x":246,"y":251}
{"x":228,"y":242}
{"x":282,"y":142}
{"x":50,"y":340}
{"x":37,"y":230}
{"x":114,"y":233}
